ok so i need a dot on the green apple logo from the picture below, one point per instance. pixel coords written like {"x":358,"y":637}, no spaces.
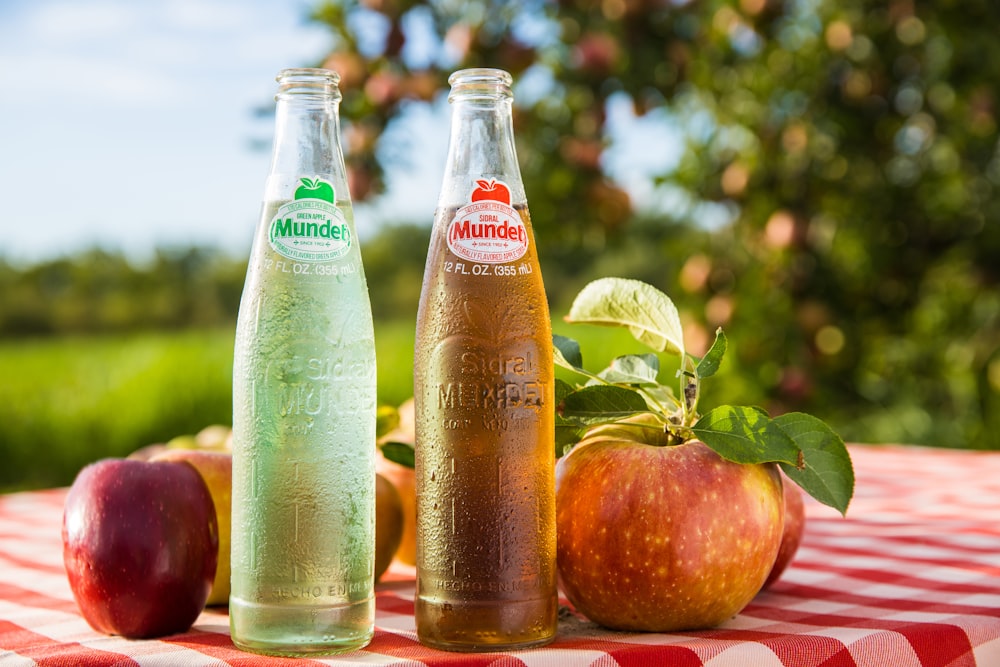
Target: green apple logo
{"x":314,"y":188}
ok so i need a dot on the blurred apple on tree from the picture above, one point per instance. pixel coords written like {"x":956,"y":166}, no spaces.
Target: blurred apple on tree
{"x":140,"y":546}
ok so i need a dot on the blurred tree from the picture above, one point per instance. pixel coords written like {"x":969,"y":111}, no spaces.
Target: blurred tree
{"x":845,"y":151}
{"x":98,"y":291}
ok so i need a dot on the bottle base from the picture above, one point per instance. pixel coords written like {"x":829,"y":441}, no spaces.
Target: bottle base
{"x":299,"y":630}
{"x":465,"y":647}
{"x":486,"y":626}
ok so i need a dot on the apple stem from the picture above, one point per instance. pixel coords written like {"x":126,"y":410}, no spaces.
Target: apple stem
{"x":690,"y":389}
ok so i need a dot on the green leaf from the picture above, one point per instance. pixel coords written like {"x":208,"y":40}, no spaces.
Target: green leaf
{"x":568,"y":433}
{"x":399,"y":452}
{"x":745,"y":435}
{"x":648,"y":313}
{"x":827,"y":474}
{"x":662,"y":395}
{"x":709,"y":364}
{"x":632,"y":369}
{"x":562,"y":390}
{"x":600,"y":404}
{"x":567,"y":352}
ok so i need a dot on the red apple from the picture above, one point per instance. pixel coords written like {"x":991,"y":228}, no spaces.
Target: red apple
{"x":791,"y":534}
{"x":216,"y":470}
{"x":140,"y":543}
{"x":658,"y":537}
{"x":492,"y":190}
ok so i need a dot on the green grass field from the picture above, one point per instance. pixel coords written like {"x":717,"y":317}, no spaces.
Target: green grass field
{"x":68,"y":401}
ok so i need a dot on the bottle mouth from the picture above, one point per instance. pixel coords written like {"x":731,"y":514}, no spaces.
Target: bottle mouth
{"x":308,"y":81}
{"x":480,"y":82}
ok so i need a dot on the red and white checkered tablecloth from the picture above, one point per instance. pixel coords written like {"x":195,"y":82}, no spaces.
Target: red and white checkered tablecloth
{"x":910,"y":577}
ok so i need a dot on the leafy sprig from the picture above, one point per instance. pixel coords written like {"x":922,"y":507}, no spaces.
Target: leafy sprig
{"x":809,"y":452}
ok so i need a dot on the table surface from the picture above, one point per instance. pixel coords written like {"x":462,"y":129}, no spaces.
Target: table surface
{"x":910,"y":577}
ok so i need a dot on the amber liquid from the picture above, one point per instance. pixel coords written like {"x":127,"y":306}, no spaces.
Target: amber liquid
{"x":483,"y":388}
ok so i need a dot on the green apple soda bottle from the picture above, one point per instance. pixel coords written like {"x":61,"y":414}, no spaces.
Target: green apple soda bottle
{"x":304,"y":398}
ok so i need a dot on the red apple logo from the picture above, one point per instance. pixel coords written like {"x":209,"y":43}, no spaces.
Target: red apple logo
{"x":492,"y":190}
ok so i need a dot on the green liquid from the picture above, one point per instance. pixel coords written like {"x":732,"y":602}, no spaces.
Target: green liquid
{"x":304,"y":398}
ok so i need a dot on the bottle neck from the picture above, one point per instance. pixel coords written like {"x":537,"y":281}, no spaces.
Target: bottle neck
{"x":481,"y":145}
{"x":307,"y":132}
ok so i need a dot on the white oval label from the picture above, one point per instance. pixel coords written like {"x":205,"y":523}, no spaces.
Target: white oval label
{"x":487,"y":230}
{"x":311,"y":228}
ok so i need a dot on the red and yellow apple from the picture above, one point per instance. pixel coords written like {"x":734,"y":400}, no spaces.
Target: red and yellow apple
{"x":662,"y":537}
{"x":791,"y":534}
{"x":140,"y":546}
{"x":404,"y":482}
{"x":403,"y":479}
{"x":216,"y":469}
{"x":388,"y":524}
{"x":215,"y":437}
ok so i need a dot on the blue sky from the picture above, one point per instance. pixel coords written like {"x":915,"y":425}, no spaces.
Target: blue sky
{"x":128,"y":125}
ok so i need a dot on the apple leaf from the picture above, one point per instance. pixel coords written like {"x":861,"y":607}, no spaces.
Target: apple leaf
{"x":661,"y":394}
{"x":809,"y":451}
{"x":600,"y":404}
{"x":562,"y":390}
{"x":745,"y":435}
{"x":399,"y":452}
{"x":632,"y":369}
{"x":648,"y":313}
{"x":827,"y":474}
{"x":709,"y":364}
{"x":567,"y":352}
{"x":568,"y":434}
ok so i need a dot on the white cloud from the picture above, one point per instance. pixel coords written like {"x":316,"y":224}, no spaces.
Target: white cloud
{"x":109,"y":96}
{"x":211,"y":17}
{"x":71,"y":23}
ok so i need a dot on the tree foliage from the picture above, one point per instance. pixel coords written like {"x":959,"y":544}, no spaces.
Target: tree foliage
{"x":850,"y":148}
{"x":835,"y":204}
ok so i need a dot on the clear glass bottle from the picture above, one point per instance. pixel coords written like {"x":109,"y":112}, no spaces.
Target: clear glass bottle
{"x":304,"y":398}
{"x":484,"y":392}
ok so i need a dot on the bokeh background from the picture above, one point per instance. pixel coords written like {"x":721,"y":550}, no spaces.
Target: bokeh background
{"x":821,"y":178}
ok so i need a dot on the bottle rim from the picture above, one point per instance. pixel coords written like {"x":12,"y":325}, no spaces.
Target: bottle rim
{"x":480,"y":82}
{"x":308,"y":83}
{"x":308,"y":74}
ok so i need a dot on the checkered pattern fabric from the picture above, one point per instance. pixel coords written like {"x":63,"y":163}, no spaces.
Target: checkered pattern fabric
{"x":911,"y":577}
